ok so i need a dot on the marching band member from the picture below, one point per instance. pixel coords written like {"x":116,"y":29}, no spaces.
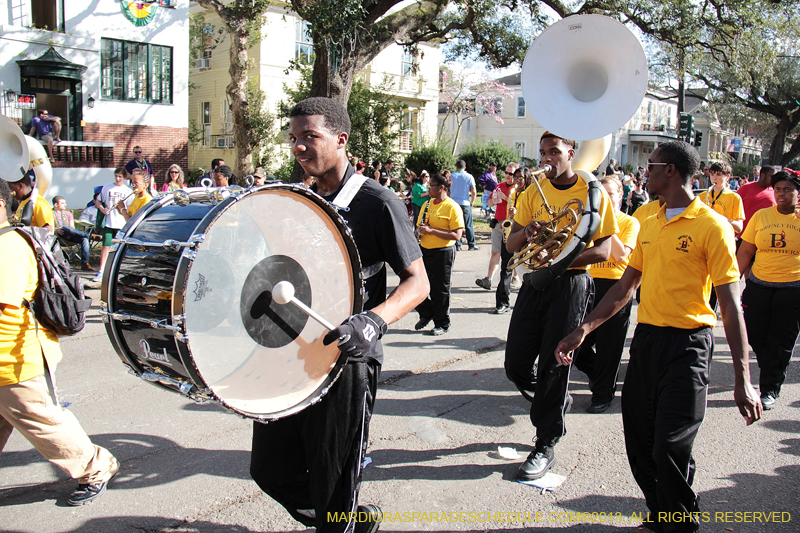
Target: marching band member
{"x":440,"y":224}
{"x":140,"y":183}
{"x":721,"y":199}
{"x":679,"y":253}
{"x":601,"y":352}
{"x":771,"y":297}
{"x":499,"y":200}
{"x":541,"y":318}
{"x":310,"y":462}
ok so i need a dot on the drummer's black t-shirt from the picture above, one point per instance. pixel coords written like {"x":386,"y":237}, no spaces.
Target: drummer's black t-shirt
{"x":379,"y":223}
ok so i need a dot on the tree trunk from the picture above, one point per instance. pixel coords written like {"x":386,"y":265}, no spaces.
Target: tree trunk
{"x":333,"y":75}
{"x":778,"y":142}
{"x":237,"y":90}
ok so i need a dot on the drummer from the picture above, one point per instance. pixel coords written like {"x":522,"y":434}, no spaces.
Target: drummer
{"x":310,"y":462}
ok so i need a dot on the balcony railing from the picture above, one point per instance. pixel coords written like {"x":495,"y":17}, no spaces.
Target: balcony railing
{"x":83,"y":154}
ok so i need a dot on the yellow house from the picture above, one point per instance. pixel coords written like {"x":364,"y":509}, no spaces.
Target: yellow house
{"x":284,"y":39}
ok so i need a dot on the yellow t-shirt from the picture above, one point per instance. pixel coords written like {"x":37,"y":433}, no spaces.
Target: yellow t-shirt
{"x":646,"y":211}
{"x":446,"y":215}
{"x":727,"y":204}
{"x":679,"y":260}
{"x":20,"y":351}
{"x":777,"y":240}
{"x":138,"y":202}
{"x":42,"y":212}
{"x":628,"y":231}
{"x":530,"y":207}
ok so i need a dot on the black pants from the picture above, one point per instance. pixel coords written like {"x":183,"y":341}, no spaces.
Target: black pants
{"x":772,"y":316}
{"x":310,"y":462}
{"x":439,"y":266}
{"x":601,"y":352}
{"x":503,"y":292}
{"x":539,"y":321}
{"x":663,"y":405}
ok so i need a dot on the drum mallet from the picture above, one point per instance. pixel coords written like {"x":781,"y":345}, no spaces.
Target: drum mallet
{"x":283,"y":293}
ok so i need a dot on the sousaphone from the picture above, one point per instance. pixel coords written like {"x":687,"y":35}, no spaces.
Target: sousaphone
{"x":583,"y":78}
{"x":18,"y":153}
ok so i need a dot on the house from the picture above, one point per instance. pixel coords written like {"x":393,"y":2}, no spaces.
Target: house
{"x":115,"y":72}
{"x":285,"y":38}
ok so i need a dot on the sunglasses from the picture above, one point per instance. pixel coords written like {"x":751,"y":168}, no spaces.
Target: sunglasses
{"x":139,"y":152}
{"x":650,"y":165}
{"x":509,"y":173}
{"x":174,"y":172}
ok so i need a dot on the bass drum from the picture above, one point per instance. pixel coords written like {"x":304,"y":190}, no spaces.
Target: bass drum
{"x":189,"y":304}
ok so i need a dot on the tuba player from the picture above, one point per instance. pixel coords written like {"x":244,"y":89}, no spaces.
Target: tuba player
{"x":541,"y":318}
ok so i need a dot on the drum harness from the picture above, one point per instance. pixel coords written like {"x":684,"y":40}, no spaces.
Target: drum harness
{"x":342,"y":203}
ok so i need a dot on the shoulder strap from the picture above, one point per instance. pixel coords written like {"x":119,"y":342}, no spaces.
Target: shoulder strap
{"x":349,"y":190}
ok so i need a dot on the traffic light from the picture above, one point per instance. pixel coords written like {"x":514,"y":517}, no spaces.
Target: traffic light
{"x":686,"y":127}
{"x":698,"y":138}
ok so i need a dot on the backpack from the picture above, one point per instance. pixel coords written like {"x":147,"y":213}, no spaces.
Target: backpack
{"x":59,"y":303}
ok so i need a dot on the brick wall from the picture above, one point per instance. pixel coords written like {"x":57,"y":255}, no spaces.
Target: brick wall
{"x":162,"y":146}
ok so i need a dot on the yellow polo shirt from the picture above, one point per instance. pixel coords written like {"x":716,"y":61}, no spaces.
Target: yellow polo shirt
{"x":138,"y":202}
{"x":727,"y":204}
{"x":628,"y":231}
{"x":446,"y":215}
{"x":20,"y":348}
{"x":530,"y":207}
{"x":679,"y":260}
{"x":777,"y":240}
{"x":42,"y":212}
{"x":646,"y":211}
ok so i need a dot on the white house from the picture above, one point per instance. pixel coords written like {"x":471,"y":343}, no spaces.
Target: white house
{"x":116,"y":72}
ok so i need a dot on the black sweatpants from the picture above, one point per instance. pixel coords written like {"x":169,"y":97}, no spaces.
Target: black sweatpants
{"x":601,"y":352}
{"x":772,"y":317}
{"x":539,"y":321}
{"x":503,"y":292}
{"x":310,"y":462}
{"x":439,"y":266}
{"x":663,"y":405}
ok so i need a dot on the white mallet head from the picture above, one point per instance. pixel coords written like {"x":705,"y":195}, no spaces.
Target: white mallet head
{"x":283,"y":292}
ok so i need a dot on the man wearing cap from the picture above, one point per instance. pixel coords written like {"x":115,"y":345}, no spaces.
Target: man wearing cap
{"x":259,"y":177}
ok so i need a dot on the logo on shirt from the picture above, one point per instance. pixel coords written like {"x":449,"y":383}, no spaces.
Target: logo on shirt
{"x":684,"y":243}
{"x":779,"y":239}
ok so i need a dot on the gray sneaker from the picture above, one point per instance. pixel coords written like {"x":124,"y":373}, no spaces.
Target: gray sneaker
{"x":484,"y":283}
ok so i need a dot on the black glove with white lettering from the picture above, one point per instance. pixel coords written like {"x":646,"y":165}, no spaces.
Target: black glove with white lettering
{"x":358,"y":335}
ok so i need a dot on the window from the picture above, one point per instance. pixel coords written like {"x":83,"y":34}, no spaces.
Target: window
{"x":520,"y":107}
{"x":303,"y":45}
{"x":40,"y":14}
{"x":408,"y":64}
{"x":520,"y":148}
{"x":226,"y":116}
{"x":205,"y":120}
{"x":407,"y":127}
{"x":137,"y":72}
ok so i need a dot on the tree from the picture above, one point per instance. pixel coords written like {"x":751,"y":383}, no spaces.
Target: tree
{"x":374,"y":115}
{"x":243,"y":20}
{"x":467,"y":97}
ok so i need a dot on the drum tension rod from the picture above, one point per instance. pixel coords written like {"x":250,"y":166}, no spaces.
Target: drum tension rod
{"x":169,"y":244}
{"x":153,"y":323}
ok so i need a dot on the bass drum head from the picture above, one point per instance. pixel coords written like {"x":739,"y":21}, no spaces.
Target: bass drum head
{"x":262,"y":359}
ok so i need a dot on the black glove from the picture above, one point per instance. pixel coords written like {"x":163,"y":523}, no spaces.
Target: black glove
{"x":358,"y":335}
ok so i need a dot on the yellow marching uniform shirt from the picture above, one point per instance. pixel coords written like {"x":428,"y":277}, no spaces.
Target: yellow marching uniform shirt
{"x":138,"y":203}
{"x":727,"y":203}
{"x":20,"y":346}
{"x":446,"y":215}
{"x":777,"y":241}
{"x":679,"y":260}
{"x":628,"y":231}
{"x":530,"y":207}
{"x":646,"y":211}
{"x":42,"y":212}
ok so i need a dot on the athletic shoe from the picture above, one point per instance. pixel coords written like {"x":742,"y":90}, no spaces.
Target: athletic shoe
{"x":369,"y":519}
{"x":598,"y":407}
{"x":768,"y":400}
{"x":484,"y":283}
{"x":474,"y":248}
{"x":86,"y":493}
{"x":540,"y":460}
{"x":439,"y":331}
{"x":421,"y":323}
{"x":516,"y":283}
{"x":502,"y":310}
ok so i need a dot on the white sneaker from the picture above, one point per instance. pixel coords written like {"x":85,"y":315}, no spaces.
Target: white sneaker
{"x":98,"y":276}
{"x":516,"y":283}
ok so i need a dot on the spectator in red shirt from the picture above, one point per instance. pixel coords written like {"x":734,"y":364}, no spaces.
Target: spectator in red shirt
{"x":757,"y":194}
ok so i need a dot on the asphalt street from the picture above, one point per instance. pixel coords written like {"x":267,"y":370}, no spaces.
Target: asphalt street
{"x":443,"y":409}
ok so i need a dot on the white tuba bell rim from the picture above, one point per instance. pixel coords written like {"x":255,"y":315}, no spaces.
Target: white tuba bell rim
{"x":14,"y":153}
{"x":584,"y":76}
